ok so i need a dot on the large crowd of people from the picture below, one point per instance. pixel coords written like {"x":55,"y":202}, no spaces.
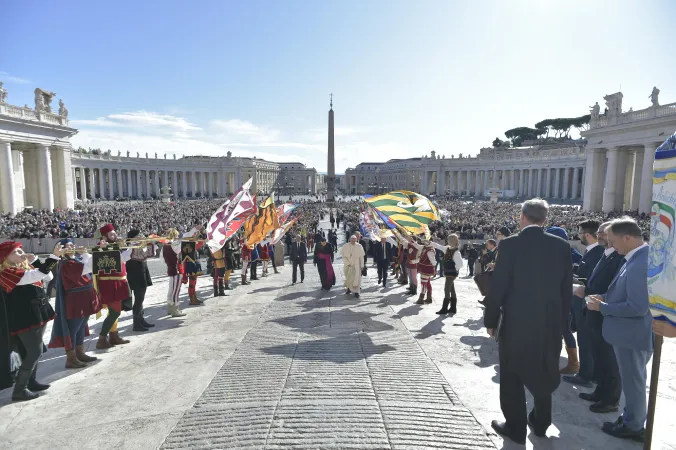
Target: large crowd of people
{"x":470,"y":220}
{"x":605,"y":361}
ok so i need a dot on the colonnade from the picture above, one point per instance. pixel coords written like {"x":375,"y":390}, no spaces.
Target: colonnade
{"x":111,"y":183}
{"x":620,"y":178}
{"x":563,"y":183}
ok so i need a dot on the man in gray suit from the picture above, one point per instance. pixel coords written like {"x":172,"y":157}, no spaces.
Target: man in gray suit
{"x":627,"y":325}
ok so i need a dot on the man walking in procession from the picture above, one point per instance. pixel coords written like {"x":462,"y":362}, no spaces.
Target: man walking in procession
{"x":353,"y":260}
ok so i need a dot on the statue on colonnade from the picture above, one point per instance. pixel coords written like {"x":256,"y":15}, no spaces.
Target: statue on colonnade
{"x":43,"y":100}
{"x":653,"y":96}
{"x":595,"y":112}
{"x":63,"y":111}
{"x":3,"y":94}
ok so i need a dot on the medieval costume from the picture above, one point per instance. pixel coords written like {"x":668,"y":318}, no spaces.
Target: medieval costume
{"x":412,"y":260}
{"x":170,"y":252}
{"x":113,"y":289}
{"x":264,"y":256}
{"x":426,"y":270}
{"x":255,"y":257}
{"x":353,"y":260}
{"x":76,"y":300}
{"x":450,"y":265}
{"x":26,"y":311}
{"x":191,"y":265}
{"x":400,"y":267}
{"x":218,"y":271}
{"x":246,"y":260}
{"x":323,"y":259}
{"x":139,"y":279}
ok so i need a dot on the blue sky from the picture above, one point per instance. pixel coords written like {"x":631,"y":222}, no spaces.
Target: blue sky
{"x":254,"y":77}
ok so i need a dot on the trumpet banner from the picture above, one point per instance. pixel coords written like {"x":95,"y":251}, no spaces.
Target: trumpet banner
{"x":408,"y":210}
{"x":662,"y":255}
{"x":262,"y":222}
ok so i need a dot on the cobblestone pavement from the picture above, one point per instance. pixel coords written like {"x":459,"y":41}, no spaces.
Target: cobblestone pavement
{"x":328,"y":370}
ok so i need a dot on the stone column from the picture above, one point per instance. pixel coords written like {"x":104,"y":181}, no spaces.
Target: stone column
{"x":477,"y":184}
{"x":637,"y":173}
{"x":646,"y":195}
{"x":467,"y":182}
{"x":547,"y":191}
{"x":129,"y":187}
{"x":194,"y":183}
{"x":83,"y":184}
{"x":620,"y":180}
{"x":184,"y":183}
{"x":7,"y":188}
{"x":210,"y":184}
{"x":139,"y":184}
{"x":165,"y":178}
{"x":111,"y":191}
{"x":593,"y":182}
{"x":611,"y":180}
{"x":120,"y":190}
{"x":92,"y":184}
{"x":44,"y":178}
{"x":576,"y":177}
{"x":146,"y":174}
{"x":156,"y":182}
{"x":566,"y":182}
{"x":557,"y":183}
{"x":512,"y":182}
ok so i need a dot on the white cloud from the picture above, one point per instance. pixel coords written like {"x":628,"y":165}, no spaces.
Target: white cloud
{"x":13,"y":79}
{"x":239,"y":129}
{"x":143,"y":132}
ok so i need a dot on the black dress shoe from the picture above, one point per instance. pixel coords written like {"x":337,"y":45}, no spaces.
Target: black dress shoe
{"x":578,"y":380}
{"x":620,"y":430}
{"x":601,"y":408}
{"x":146,"y":324}
{"x":503,"y":430}
{"x":589,"y":396}
{"x":538,"y":430}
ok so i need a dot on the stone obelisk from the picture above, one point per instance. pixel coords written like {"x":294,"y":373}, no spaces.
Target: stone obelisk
{"x":331,"y":165}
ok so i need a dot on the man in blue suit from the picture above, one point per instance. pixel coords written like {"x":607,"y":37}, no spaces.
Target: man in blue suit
{"x":627,"y":325}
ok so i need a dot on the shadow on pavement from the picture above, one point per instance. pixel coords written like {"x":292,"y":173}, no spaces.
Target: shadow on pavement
{"x":485,"y":347}
{"x":339,"y":349}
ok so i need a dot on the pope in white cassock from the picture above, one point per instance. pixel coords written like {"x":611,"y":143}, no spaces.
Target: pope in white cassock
{"x":353,"y":262}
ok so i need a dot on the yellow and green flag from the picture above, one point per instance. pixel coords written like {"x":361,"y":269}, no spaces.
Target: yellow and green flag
{"x":408,"y":210}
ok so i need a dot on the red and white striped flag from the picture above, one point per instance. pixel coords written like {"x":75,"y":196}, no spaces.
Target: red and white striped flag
{"x":229,"y":218}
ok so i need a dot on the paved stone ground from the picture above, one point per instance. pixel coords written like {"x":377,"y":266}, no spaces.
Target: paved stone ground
{"x":327,"y":370}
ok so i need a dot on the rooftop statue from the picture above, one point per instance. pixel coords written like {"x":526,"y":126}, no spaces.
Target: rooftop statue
{"x":43,"y":100}
{"x":63,"y":111}
{"x":653,"y":96}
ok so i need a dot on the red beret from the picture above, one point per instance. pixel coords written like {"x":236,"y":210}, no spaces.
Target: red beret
{"x":6,"y":248}
{"x":106,"y":229}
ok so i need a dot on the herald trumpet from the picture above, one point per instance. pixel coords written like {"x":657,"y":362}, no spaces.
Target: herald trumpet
{"x":142,"y":242}
{"x":76,"y":250}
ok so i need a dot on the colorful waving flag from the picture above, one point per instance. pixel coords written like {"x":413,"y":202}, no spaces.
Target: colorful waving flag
{"x":230,"y":216}
{"x":264,"y":221}
{"x":281,"y":231}
{"x":406,"y":209}
{"x":662,"y":256}
{"x":284,"y":212}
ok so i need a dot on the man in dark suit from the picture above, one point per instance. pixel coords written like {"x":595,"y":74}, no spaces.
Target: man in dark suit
{"x":298,"y":257}
{"x":606,"y":396}
{"x":627,"y":325}
{"x":592,"y":255}
{"x":383,"y":257}
{"x":472,"y":256}
{"x":363,"y":244}
{"x":532,"y":288}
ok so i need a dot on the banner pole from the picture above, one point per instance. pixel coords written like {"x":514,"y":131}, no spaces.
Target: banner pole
{"x":652,"y":396}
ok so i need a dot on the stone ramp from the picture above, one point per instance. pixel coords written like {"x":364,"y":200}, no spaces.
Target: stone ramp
{"x":328,"y":371}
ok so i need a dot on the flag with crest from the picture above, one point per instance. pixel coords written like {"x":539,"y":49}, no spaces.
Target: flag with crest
{"x":264,"y":221}
{"x":227,"y":219}
{"x":408,"y":210}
